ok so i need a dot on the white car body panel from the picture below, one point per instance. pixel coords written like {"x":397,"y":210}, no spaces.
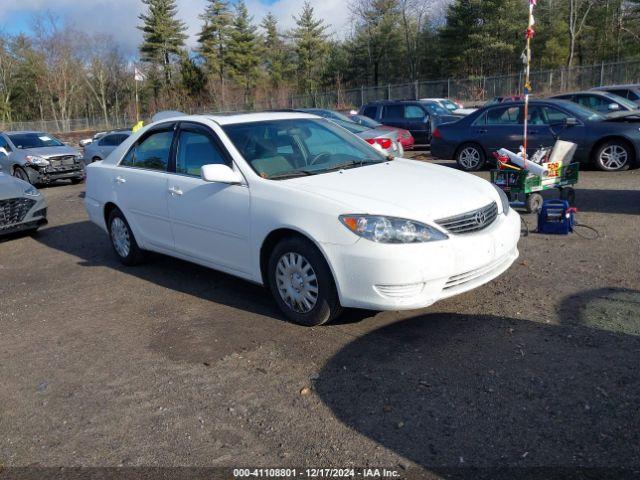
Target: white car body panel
{"x":224,"y":226}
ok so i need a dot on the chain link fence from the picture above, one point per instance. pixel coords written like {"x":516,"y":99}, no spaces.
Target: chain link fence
{"x":472,"y":91}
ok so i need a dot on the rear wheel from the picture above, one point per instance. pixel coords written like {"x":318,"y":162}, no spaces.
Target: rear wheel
{"x":470,"y":157}
{"x":613,"y":155}
{"x":95,"y":159}
{"x":302,"y":284}
{"x":122,"y":239}
{"x":21,"y":173}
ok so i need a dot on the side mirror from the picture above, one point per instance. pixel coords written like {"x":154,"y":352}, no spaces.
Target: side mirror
{"x":613,"y":106}
{"x":570,"y":122}
{"x":221,"y":174}
{"x":3,"y":151}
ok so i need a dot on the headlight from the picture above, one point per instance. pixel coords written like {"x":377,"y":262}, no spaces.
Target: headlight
{"x":78,"y":157}
{"x":36,"y":160}
{"x":391,"y":229}
{"x":32,"y":192}
{"x":503,"y":198}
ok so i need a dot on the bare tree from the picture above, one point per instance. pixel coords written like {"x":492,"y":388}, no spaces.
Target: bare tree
{"x":578,"y":14}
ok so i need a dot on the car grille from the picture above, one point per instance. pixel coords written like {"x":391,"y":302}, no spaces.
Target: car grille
{"x":472,"y":221}
{"x":14,"y":210}
{"x":64,"y":162}
{"x":479,"y":274}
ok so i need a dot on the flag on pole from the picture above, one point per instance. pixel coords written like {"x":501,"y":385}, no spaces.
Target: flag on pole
{"x":138,"y":75}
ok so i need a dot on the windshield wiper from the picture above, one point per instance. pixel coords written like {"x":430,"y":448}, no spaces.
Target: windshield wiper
{"x":290,"y":174}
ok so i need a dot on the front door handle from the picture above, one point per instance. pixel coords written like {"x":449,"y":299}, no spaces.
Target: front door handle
{"x":481,"y":131}
{"x":175,"y":191}
{"x":119,"y":179}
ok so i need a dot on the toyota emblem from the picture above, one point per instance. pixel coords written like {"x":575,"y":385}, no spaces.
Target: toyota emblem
{"x":480,"y":218}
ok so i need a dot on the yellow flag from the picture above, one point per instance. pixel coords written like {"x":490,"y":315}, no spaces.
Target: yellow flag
{"x":137,"y":126}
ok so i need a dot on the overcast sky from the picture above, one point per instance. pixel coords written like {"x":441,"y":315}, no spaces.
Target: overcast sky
{"x":120,"y":17}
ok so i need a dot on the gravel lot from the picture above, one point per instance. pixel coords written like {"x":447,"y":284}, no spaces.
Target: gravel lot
{"x":171,"y":364}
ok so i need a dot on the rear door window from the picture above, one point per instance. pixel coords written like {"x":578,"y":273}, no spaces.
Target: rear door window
{"x":503,"y":116}
{"x":370,"y":111}
{"x":393,"y":111}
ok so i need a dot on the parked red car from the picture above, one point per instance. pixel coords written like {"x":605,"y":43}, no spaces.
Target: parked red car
{"x":404,"y":136}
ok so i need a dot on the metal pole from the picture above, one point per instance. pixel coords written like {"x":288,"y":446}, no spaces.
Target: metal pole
{"x":527,"y":85}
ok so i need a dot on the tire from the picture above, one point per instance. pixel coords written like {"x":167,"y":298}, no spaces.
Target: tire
{"x":123,"y":241}
{"x":95,"y":159}
{"x":305,"y":302}
{"x":614,"y":155}
{"x":22,"y":174}
{"x":75,"y":181}
{"x":534,"y":203}
{"x":470,"y":157}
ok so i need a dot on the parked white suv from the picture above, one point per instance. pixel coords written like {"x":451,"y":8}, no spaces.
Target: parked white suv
{"x":298,"y":204}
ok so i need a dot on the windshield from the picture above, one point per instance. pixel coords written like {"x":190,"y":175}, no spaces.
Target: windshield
{"x":449,"y":105}
{"x":365,"y":121}
{"x":581,"y":112}
{"x":435,"y":109}
{"x":623,"y":101}
{"x":280,"y":149}
{"x":34,"y":140}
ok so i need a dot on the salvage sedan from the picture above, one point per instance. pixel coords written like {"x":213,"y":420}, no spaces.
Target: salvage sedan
{"x":22,"y":207}
{"x":294,"y":202}
{"x":37,"y":157}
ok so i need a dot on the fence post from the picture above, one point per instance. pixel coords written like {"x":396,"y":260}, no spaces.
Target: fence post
{"x":602,"y":73}
{"x":416,"y":90}
{"x":362,"y":95}
{"x":448,"y":88}
{"x":388,"y":91}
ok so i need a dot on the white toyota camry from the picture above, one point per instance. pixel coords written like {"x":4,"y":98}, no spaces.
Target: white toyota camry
{"x":296,"y":203}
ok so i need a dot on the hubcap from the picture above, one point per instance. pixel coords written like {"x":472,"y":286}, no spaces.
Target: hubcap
{"x":469,"y":157}
{"x":613,"y":157}
{"x":297,"y":282}
{"x":120,"y":237}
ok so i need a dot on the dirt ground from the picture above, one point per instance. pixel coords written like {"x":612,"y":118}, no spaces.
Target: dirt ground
{"x":171,"y":364}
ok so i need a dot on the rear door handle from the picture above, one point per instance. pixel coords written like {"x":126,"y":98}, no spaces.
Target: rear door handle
{"x":481,"y":131}
{"x":175,"y":191}
{"x":119,"y":179}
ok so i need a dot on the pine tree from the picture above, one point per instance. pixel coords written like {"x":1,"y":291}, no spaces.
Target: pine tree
{"x":311,"y":48}
{"x":214,"y":40}
{"x":243,"y":53}
{"x":276,"y":61}
{"x":163,"y":34}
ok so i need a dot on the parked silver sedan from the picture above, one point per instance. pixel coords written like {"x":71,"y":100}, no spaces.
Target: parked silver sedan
{"x":22,"y":206}
{"x":38,"y":157}
{"x":101,"y":148}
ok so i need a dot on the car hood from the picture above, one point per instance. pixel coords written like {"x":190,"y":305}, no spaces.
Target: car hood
{"x":402,"y":188}
{"x":625,"y":116}
{"x":48,"y":152}
{"x":11,"y":187}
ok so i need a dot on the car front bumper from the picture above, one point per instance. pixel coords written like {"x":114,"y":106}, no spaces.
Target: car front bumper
{"x":50,"y":174}
{"x":405,"y":277}
{"x":440,"y":149}
{"x":13,"y":218}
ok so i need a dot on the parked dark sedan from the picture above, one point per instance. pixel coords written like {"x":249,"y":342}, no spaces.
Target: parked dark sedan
{"x":602,"y":102}
{"x":629,"y":91}
{"x":611,"y":143}
{"x":419,"y":117}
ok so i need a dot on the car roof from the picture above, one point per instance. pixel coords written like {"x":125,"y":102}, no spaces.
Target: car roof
{"x":585,"y":92}
{"x":22,"y":132}
{"x":622,"y":85}
{"x":236,"y":118}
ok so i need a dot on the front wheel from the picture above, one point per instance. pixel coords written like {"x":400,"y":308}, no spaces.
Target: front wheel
{"x":613,"y":155}
{"x":302,"y":284}
{"x":21,"y":173}
{"x":122,"y":240}
{"x":470,"y":157}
